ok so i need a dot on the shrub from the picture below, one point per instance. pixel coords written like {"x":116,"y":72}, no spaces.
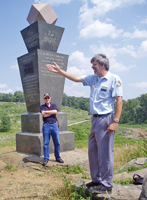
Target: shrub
{"x":5,"y":123}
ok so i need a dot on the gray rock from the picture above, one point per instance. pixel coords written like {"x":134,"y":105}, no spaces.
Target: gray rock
{"x":124,"y":175}
{"x":143,"y":195}
{"x":119,"y":192}
{"x":137,"y":162}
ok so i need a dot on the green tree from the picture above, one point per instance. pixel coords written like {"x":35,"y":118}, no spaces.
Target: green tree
{"x":5,"y":122}
{"x":19,"y":96}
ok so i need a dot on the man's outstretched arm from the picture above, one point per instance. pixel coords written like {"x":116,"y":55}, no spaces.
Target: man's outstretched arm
{"x":56,"y":69}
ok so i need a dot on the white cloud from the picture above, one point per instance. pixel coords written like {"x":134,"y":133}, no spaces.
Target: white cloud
{"x":100,"y":8}
{"x":18,"y":88}
{"x":3,"y":86}
{"x":53,"y":2}
{"x":143,"y":48}
{"x":77,"y":58}
{"x":99,"y":29}
{"x":14,"y":67}
{"x":144,"y":21}
{"x":142,"y":85}
{"x":74,"y":44}
{"x":76,"y":89}
{"x":79,"y":64}
{"x":136,"y":34}
{"x":6,"y":91}
{"x":112,"y":50}
{"x":119,"y":67}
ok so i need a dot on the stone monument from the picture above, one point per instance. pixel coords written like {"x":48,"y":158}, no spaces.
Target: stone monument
{"x":42,"y":39}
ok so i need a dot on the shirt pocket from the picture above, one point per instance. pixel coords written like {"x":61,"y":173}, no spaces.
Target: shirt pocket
{"x":104,"y":93}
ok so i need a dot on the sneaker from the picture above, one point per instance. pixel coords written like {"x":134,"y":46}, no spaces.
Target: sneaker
{"x":101,"y":189}
{"x":60,"y":161}
{"x":45,"y":162}
{"x":91,"y":184}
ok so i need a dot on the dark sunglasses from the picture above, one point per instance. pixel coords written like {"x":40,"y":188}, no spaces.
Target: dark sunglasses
{"x":47,"y":98}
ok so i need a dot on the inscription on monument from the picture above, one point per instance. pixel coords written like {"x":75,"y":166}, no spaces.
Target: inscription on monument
{"x":42,"y":36}
{"x":28,"y":68}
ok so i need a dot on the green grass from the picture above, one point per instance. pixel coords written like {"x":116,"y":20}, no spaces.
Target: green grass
{"x":75,"y":115}
{"x":132,"y":168}
{"x":124,"y":181}
{"x":69,"y":192}
{"x":10,"y":168}
{"x":70,"y":169}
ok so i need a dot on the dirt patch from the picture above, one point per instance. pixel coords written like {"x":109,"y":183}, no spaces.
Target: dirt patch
{"x":31,"y":180}
{"x":136,"y":133}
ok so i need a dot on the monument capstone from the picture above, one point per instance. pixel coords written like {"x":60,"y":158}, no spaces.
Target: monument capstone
{"x":42,"y":39}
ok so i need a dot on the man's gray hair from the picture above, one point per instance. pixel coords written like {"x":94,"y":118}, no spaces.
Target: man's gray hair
{"x":101,"y":59}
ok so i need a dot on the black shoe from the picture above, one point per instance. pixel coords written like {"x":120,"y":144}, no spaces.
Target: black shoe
{"x":91,"y":184}
{"x":45,"y":162}
{"x":101,"y":189}
{"x":60,"y":161}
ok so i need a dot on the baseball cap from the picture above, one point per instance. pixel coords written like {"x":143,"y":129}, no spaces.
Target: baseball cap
{"x":46,"y":95}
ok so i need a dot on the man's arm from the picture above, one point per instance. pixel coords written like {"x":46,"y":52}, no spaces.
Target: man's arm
{"x":56,"y":69}
{"x":119,"y":104}
{"x":47,"y":113}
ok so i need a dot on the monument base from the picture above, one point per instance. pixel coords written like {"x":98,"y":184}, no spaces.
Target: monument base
{"x":32,"y":143}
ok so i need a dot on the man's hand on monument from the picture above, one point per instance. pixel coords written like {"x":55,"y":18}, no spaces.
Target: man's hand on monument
{"x":112,"y":127}
{"x":53,"y":68}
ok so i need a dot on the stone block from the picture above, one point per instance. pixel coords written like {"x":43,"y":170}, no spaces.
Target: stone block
{"x":42,"y":12}
{"x":32,"y":143}
{"x":31,"y":122}
{"x":41,"y":35}
{"x":37,"y":80}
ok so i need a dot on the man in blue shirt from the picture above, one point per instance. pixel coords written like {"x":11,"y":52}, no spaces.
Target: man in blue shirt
{"x":50,"y":128}
{"x":106,"y":88}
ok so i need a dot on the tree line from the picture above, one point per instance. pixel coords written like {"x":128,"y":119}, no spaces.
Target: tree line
{"x":134,"y":110}
{"x":18,"y":96}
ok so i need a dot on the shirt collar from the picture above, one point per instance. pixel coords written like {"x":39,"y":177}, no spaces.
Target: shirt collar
{"x":106,"y":76}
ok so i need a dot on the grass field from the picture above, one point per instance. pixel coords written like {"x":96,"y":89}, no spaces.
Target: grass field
{"x":125,"y":148}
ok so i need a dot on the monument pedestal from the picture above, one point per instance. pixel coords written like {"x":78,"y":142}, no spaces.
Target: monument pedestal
{"x":30,"y":140}
{"x":32,"y":143}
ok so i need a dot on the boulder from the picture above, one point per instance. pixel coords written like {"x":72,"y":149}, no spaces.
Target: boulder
{"x":119,"y":192}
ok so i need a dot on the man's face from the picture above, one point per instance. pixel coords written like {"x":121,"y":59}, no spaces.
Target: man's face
{"x":47,"y":99}
{"x":97,"y":68}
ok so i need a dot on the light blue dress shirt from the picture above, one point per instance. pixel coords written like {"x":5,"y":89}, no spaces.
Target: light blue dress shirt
{"x":103,"y":92}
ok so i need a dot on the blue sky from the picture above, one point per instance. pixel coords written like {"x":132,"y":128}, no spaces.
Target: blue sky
{"x":117,"y":28}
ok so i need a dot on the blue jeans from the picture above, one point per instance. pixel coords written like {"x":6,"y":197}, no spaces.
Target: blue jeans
{"x":51,"y":130}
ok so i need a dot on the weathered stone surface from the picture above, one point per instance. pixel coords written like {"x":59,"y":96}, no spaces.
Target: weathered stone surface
{"x":42,"y":12}
{"x":143,"y":195}
{"x":41,"y":35}
{"x":38,"y":81}
{"x":119,"y":192}
{"x":32,"y":143}
{"x":124,"y":175}
{"x":31,"y":122}
{"x":137,"y":162}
